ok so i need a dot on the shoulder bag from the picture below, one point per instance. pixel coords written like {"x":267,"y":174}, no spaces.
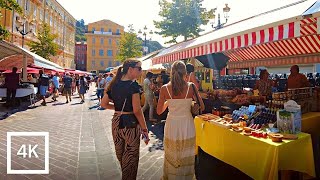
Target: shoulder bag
{"x":127,"y":120}
{"x":195,"y":108}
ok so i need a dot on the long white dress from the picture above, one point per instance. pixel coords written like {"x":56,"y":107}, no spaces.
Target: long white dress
{"x":179,"y":140}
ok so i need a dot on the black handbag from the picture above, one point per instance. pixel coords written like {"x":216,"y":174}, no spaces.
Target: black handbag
{"x":195,"y":108}
{"x":127,"y":120}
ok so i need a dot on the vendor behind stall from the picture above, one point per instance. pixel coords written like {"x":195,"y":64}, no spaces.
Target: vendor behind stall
{"x":296,"y":79}
{"x":264,"y":84}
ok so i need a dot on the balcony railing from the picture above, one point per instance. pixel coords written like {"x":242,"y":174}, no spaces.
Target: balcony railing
{"x":102,"y":33}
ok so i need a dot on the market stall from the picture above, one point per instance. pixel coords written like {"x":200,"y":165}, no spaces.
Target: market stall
{"x":260,"y":158}
{"x":30,"y":91}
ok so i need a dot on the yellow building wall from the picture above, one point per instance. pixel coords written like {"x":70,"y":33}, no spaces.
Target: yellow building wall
{"x":94,"y":44}
{"x":37,"y":12}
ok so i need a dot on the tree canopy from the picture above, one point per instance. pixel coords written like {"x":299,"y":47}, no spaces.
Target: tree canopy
{"x":130,"y":46}
{"x":182,"y":18}
{"x":8,"y":5}
{"x":80,"y":31}
{"x":45,"y":46}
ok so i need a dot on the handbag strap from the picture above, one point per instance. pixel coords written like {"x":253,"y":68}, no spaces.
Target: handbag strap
{"x":124,"y":102}
{"x":194,"y":91}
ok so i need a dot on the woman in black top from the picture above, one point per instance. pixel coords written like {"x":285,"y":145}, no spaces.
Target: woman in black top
{"x":124,"y":92}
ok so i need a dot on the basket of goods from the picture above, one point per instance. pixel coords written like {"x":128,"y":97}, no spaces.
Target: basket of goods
{"x":241,"y":99}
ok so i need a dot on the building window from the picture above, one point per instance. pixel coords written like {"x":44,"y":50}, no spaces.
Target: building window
{"x":93,"y":52}
{"x":93,"y":63}
{"x":93,"y":40}
{"x":118,"y":31}
{"x":109,"y":52}
{"x":110,"y":64}
{"x":35,"y":11}
{"x":101,"y":41}
{"x":19,"y":2}
{"x":93,"y":29}
{"x":110,"y":30}
{"x":110,"y":41}
{"x":101,"y":52}
{"x":82,"y":62}
{"x":27,"y":6}
{"x":102,"y":63}
{"x":51,"y":21}
{"x":41,"y":15}
{"x":117,"y":41}
{"x":102,"y":30}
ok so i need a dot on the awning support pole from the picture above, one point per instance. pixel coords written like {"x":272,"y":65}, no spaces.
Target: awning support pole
{"x":25,"y":64}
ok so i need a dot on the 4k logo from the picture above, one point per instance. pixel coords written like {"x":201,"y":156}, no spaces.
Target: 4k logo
{"x":28,"y":151}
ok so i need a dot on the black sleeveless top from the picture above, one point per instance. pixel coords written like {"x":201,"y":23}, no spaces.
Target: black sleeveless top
{"x":122,"y":90}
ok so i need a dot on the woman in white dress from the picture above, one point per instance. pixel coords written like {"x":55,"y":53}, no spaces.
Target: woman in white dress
{"x":179,"y":131}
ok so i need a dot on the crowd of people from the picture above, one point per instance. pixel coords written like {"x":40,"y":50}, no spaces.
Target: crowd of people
{"x":67,"y":84}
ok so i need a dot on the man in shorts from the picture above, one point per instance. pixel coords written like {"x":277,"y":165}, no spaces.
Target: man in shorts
{"x":67,"y":81}
{"x":44,"y":85}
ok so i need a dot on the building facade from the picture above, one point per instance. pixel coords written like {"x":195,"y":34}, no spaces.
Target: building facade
{"x":36,"y":12}
{"x":103,"y":39}
{"x":80,"y":56}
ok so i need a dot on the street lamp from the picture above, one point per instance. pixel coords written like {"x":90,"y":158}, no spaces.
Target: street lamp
{"x":220,"y":25}
{"x":22,"y":29}
{"x":145,"y":32}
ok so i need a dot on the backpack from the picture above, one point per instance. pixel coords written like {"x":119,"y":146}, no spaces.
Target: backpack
{"x":67,"y":82}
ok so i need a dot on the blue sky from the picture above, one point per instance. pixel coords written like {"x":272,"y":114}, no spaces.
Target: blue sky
{"x":143,"y":12}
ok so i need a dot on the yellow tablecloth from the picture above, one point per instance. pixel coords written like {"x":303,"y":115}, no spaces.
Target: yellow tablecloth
{"x":311,"y":123}
{"x":257,"y":157}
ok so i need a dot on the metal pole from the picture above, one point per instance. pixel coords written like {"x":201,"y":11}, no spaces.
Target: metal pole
{"x":145,"y":43}
{"x":24,"y":61}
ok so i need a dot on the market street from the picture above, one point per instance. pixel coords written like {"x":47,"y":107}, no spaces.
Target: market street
{"x":80,"y":142}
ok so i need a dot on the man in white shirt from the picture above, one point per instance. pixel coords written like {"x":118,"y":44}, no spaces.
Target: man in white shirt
{"x":149,"y":96}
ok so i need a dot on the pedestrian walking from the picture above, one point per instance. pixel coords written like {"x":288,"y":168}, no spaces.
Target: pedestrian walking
{"x":77,"y":81}
{"x":56,"y":84}
{"x":148,"y":96}
{"x":67,"y":81}
{"x":101,"y":82}
{"x":12,"y":83}
{"x":44,"y":85}
{"x":82,"y":88}
{"x":179,"y":131}
{"x":128,"y":122}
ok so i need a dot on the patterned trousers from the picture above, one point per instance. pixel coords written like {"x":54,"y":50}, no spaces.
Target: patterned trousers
{"x":127,"y":143}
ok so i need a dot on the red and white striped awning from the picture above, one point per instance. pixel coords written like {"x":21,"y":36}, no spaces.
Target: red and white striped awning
{"x":282,"y":32}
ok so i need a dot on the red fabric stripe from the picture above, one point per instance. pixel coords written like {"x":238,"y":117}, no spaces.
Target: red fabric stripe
{"x":239,"y":41}
{"x":261,"y":36}
{"x":246,"y":40}
{"x":211,"y":49}
{"x":232,"y":43}
{"x":226,"y":44}
{"x":311,"y":44}
{"x":291,"y":30}
{"x":271,"y":34}
{"x":201,"y":50}
{"x":293,"y":49}
{"x":280,"y":32}
{"x":220,"y":46}
{"x":315,"y":39}
{"x":215,"y":46}
{"x":254,"y":38}
{"x":296,"y":43}
{"x":303,"y":40}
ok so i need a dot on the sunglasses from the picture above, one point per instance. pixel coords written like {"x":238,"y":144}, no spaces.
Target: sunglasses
{"x":138,"y":67}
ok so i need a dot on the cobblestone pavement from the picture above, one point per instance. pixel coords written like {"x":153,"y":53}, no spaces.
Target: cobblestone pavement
{"x":80,"y":143}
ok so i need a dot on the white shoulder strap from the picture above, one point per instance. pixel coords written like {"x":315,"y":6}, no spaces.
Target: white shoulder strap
{"x":188,"y":90}
{"x":169,"y":92}
{"x":189,"y":77}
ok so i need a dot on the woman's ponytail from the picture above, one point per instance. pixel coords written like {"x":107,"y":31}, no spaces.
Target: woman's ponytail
{"x":116,"y":78}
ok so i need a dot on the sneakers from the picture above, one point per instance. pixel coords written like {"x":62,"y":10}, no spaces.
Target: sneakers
{"x":67,"y":101}
{"x":82,"y":101}
{"x":70,"y":99}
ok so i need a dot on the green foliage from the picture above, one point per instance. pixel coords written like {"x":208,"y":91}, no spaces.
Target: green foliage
{"x":153,"y":45}
{"x":45,"y":46}
{"x":130,"y":46}
{"x":8,"y":5}
{"x":182,"y":18}
{"x":80,"y":31}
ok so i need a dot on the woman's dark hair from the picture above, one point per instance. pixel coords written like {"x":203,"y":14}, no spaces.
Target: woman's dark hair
{"x":122,"y":70}
{"x":149,"y":75}
{"x":82,"y":77}
{"x":190,"y":68}
{"x":262,"y":73}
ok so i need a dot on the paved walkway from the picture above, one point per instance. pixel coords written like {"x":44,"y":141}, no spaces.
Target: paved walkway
{"x":80,"y":142}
